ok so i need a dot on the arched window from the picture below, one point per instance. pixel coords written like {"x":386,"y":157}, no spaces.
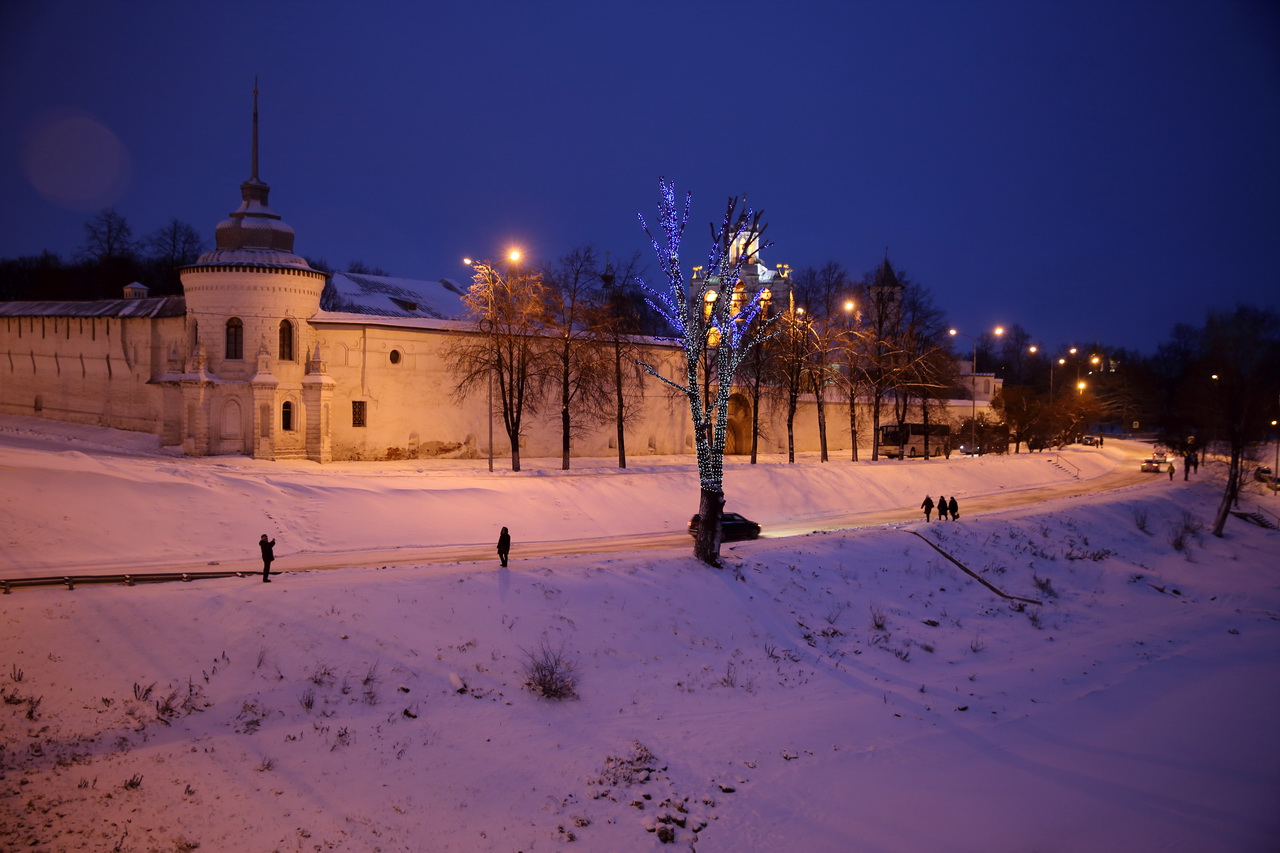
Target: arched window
{"x":286,"y":416}
{"x":235,"y":339}
{"x":286,"y":340}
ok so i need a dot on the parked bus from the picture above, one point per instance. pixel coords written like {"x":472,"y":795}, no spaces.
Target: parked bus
{"x":909,"y":440}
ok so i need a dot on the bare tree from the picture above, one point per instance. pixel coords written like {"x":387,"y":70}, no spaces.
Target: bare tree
{"x":824,"y":293}
{"x":849,"y":344}
{"x":107,"y":237}
{"x":1023,"y":412}
{"x":1236,"y":377}
{"x":695,"y":318}
{"x":359,"y":267}
{"x":615,"y":318}
{"x":508,"y":310}
{"x":925,"y":368}
{"x":579,"y":373}
{"x":794,"y":362}
{"x":175,"y":244}
{"x":879,"y":342}
{"x":758,"y":372}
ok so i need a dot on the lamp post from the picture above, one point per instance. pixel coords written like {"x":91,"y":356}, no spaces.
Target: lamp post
{"x":1033,"y":349}
{"x":486,"y":268}
{"x":851,"y":316}
{"x":757,"y":355}
{"x":973,"y":385}
{"x":1275,"y":468}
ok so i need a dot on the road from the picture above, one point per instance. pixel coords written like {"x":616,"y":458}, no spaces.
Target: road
{"x":1002,"y":501}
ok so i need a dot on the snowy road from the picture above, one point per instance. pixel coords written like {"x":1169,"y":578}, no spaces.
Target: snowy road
{"x":1119,"y":478}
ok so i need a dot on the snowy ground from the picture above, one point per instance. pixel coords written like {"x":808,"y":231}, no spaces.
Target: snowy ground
{"x":839,"y":691}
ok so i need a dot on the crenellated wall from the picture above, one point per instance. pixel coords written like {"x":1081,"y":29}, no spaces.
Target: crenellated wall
{"x":97,"y":370}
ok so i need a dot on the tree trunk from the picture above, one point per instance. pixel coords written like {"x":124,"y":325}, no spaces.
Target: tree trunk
{"x":706,"y":547}
{"x":818,"y":392}
{"x":875,"y":429}
{"x":791,"y":431}
{"x":755,"y":423}
{"x":565,"y":422}
{"x":1228,"y":494}
{"x":617,"y":379}
{"x":853,"y":426}
{"x":564,"y":440}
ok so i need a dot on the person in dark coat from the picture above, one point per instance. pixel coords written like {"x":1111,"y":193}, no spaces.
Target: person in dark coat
{"x":953,"y":509}
{"x":942,"y":507}
{"x":927,"y":506}
{"x":267,"y":556}
{"x":504,"y":545}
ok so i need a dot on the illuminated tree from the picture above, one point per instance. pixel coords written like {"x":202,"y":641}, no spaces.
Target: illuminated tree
{"x":508,"y":355}
{"x":703,"y":321}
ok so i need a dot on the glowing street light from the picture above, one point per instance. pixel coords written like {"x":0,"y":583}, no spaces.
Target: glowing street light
{"x":513,"y":256}
{"x":973,"y":382}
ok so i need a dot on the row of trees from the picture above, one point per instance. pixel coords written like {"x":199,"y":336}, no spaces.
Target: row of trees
{"x":564,"y":335}
{"x":112,"y":257}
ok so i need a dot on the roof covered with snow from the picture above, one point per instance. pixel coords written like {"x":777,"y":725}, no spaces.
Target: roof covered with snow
{"x":152,"y":307}
{"x":356,"y":293}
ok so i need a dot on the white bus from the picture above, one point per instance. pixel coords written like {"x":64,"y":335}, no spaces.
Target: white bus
{"x":909,"y":440}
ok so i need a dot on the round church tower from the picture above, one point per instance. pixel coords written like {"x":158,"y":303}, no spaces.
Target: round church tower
{"x":248,"y":303}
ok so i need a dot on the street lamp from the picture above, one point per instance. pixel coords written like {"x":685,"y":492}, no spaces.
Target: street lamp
{"x":1275,"y":469}
{"x":486,"y":268}
{"x":850,"y":313}
{"x":973,"y":384}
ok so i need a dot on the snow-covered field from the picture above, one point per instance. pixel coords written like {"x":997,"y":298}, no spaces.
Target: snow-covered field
{"x":839,"y":691}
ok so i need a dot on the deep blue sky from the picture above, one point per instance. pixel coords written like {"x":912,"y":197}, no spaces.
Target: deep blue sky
{"x":1089,"y":170}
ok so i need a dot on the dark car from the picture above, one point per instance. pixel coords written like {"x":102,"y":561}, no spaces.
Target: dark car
{"x":733,"y":527}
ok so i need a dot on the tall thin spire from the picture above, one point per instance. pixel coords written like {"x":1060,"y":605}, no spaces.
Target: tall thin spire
{"x":254,"y":176}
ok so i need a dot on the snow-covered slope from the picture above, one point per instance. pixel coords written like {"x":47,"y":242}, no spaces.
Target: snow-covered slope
{"x":841,"y":691}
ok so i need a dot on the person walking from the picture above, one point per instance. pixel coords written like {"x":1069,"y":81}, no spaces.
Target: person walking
{"x":942,"y":508}
{"x":268,"y":554}
{"x":1170,"y":472}
{"x":927,"y":506}
{"x":504,"y":546}
{"x":953,"y":509}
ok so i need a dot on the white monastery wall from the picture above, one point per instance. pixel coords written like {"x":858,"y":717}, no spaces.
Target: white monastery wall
{"x":95,"y":370}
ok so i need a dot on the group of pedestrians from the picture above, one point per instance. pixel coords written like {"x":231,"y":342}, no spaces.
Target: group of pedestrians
{"x":946,"y":507}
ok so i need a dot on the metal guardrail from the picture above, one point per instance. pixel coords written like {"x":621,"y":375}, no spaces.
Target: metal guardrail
{"x":1071,"y":469}
{"x":7,"y":585}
